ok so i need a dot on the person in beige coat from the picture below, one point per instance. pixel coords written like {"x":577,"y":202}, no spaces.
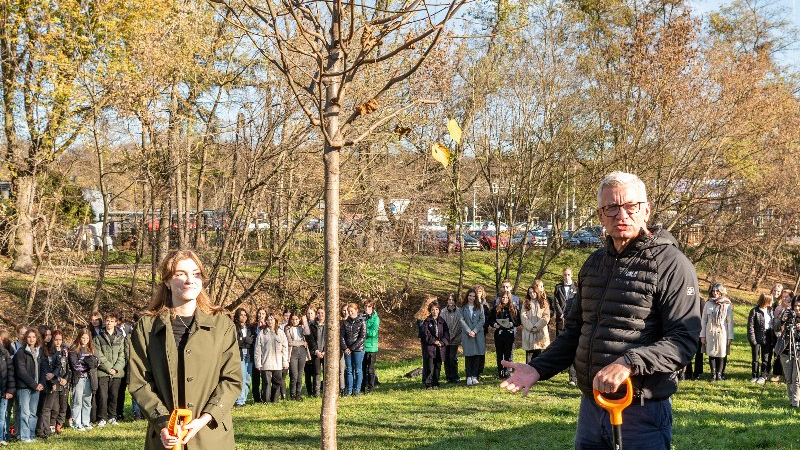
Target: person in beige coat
{"x":535,"y":317}
{"x":716,"y":333}
{"x":184,"y":354}
{"x":270,"y":358}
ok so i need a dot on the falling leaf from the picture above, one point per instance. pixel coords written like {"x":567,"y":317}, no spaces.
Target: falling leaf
{"x":440,"y":153}
{"x":454,"y":130}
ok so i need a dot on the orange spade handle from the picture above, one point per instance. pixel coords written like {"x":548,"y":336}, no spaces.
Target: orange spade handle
{"x":179,"y":417}
{"x":615,"y":407}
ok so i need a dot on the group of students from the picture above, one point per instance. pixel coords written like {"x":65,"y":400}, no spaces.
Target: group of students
{"x":443,"y":328}
{"x":773,"y":343}
{"x":272,"y":346}
{"x":48,"y":382}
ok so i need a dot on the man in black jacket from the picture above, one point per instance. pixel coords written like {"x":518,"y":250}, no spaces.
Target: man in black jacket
{"x":563,"y":298}
{"x":635,"y":315}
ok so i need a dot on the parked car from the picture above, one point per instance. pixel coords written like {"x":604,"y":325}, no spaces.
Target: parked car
{"x":587,"y":239}
{"x":489,"y":240}
{"x":535,"y":238}
{"x":470,"y":243}
{"x":570,"y":241}
{"x":489,"y":225}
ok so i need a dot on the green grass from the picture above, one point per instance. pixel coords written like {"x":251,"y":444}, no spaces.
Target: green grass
{"x":732,"y":414}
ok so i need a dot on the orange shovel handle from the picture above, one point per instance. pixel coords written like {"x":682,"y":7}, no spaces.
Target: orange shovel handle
{"x":615,"y":407}
{"x":179,"y":417}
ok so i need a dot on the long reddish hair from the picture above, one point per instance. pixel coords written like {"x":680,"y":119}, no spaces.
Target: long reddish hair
{"x":162,"y":300}
{"x":511,"y":308}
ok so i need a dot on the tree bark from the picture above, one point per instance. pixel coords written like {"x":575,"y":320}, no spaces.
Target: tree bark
{"x":24,"y":188}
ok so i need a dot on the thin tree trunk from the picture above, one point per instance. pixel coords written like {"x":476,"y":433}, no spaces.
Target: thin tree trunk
{"x":98,"y":287}
{"x":331,"y":159}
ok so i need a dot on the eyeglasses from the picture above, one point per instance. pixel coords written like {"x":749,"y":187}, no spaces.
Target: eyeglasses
{"x":613,"y":210}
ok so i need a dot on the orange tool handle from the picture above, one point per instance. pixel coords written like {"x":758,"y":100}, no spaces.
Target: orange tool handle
{"x":179,"y":417}
{"x":615,"y":407}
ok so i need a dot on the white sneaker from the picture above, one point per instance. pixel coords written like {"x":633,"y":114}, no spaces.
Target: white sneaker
{"x":761,"y":380}
{"x":112,"y":421}
{"x":754,"y":379}
{"x":101,"y":424}
{"x":475,"y":381}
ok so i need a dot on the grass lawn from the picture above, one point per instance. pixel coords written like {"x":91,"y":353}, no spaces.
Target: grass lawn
{"x":732,"y":414}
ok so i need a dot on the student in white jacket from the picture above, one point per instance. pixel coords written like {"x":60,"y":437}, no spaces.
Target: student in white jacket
{"x":271,"y":358}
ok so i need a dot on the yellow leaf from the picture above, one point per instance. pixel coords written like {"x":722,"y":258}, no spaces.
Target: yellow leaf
{"x":440,"y":153}
{"x":454,"y":130}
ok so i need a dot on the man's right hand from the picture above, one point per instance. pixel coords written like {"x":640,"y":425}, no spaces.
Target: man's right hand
{"x":523,"y":378}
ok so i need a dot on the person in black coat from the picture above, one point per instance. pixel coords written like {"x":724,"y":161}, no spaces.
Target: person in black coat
{"x":49,"y":370}
{"x":29,"y":383}
{"x":246,"y":339}
{"x":504,"y":318}
{"x":259,"y":323}
{"x":316,"y":348}
{"x":7,"y":384}
{"x":761,"y":338}
{"x":59,"y":417}
{"x":437,"y":338}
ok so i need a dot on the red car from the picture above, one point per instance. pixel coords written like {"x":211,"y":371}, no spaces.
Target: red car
{"x":488,"y":239}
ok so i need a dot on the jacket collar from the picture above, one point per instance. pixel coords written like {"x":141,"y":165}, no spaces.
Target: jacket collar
{"x":201,"y":320}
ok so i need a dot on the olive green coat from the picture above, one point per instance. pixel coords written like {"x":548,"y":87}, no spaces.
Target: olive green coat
{"x":213,"y":376}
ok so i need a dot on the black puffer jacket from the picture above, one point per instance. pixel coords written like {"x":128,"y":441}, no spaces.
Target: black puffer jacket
{"x":354,"y":332}
{"x":25,"y":369}
{"x":756,"y":331}
{"x":7,"y":382}
{"x":640,"y":304}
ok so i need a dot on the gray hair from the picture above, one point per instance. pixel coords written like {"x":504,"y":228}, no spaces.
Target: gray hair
{"x":618,"y":178}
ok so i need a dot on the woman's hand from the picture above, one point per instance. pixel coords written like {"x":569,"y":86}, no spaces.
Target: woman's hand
{"x":168,"y":440}
{"x":39,"y":387}
{"x":472,"y":334}
{"x":347,"y":351}
{"x":196,"y":425}
{"x":49,"y":376}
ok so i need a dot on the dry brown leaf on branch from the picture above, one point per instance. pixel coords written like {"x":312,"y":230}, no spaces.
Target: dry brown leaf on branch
{"x":401,"y":131}
{"x":367,"y":107}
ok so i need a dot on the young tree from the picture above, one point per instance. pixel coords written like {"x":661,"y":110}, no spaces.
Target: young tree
{"x":324,"y":50}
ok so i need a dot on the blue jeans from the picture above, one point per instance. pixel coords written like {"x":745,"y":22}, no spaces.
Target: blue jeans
{"x":3,"y":425}
{"x":647,"y":427}
{"x":247,"y":378}
{"x":353,"y":374}
{"x":28,"y":400}
{"x":82,"y":403}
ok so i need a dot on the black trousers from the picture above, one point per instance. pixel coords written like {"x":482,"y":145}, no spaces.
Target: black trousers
{"x":530,"y":354}
{"x":63,"y":408}
{"x":697,"y":370}
{"x":48,"y":409}
{"x":271,"y":387}
{"x":761,"y":360}
{"x":297,"y":361}
{"x":368,"y":369}
{"x":256,"y":386}
{"x":451,"y":364}
{"x":504,"y":344}
{"x":472,"y":365}
{"x":123,"y":385}
{"x":434,"y":370}
{"x":312,"y":371}
{"x":107,"y":391}
{"x":282,"y":385}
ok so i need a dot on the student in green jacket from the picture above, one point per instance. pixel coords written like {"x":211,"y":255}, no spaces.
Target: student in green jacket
{"x":184,"y":354}
{"x":110,"y":346}
{"x":370,"y":346}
